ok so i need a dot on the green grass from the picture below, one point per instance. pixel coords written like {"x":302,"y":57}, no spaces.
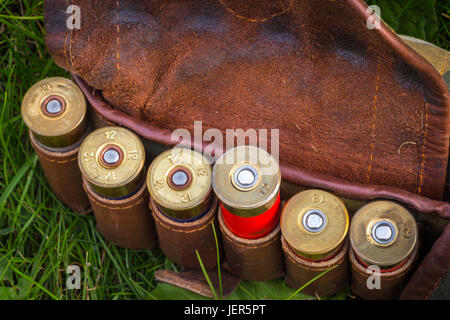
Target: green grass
{"x":39,"y":236}
{"x":424,"y":19}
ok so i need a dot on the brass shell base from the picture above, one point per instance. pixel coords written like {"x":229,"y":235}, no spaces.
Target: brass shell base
{"x":63,"y":128}
{"x":180,"y":202}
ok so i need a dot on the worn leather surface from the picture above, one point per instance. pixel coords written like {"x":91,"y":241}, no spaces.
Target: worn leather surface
{"x":63,"y":175}
{"x":128,"y":223}
{"x":428,"y":277}
{"x":180,"y":240}
{"x":392,"y":283}
{"x":332,"y":91}
{"x":300,"y":271}
{"x":253,"y":259}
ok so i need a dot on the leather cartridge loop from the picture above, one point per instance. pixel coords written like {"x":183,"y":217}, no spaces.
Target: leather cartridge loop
{"x":391,"y":283}
{"x":253,"y":259}
{"x":300,"y":271}
{"x":127,"y":222}
{"x":180,"y":240}
{"x":63,"y":175}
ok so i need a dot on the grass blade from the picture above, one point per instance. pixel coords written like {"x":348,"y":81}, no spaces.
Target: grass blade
{"x":19,"y":175}
{"x":309,"y":282}
{"x":218,"y":260}
{"x":206,"y":275}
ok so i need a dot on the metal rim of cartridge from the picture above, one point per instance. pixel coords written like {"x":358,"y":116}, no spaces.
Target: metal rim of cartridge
{"x":247,"y":180}
{"x":112,"y":160}
{"x":179,"y":181}
{"x":383,"y":233}
{"x":315,"y":224}
{"x":54,"y":109}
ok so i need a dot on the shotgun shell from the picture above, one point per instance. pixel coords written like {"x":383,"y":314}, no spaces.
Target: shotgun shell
{"x":112,"y":160}
{"x":247,"y":179}
{"x":384,"y":234}
{"x":179,"y":180}
{"x":315,"y":224}
{"x":54,"y":109}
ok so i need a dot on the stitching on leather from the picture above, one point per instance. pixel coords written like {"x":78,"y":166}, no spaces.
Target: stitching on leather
{"x":118,"y":36}
{"x":65,"y":41}
{"x":423,"y":156}
{"x":364,"y":274}
{"x":374,"y":118}
{"x":251,"y":247}
{"x":444,"y":271}
{"x":70,"y":50}
{"x":114,"y":208}
{"x":304,"y":267}
{"x":58,"y":161}
{"x":178,"y":230}
{"x":389,"y":278}
{"x":237,"y":15}
{"x":42,"y":155}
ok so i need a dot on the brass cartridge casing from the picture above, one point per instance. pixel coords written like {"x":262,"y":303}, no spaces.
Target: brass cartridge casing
{"x":383,"y":233}
{"x":179,"y":181}
{"x":314,"y":223}
{"x":112,"y":161}
{"x":247,"y":180}
{"x":54,"y":109}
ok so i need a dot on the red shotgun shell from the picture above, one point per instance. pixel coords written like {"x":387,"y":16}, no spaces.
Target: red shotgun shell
{"x":247,"y":179}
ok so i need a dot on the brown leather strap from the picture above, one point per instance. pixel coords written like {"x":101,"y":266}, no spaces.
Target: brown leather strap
{"x":253,"y":259}
{"x":392,"y":283}
{"x":300,"y":271}
{"x":63,"y":175}
{"x":365,"y":192}
{"x":97,"y":120}
{"x":180,"y":240}
{"x":128,"y":222}
{"x":429,"y":274}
